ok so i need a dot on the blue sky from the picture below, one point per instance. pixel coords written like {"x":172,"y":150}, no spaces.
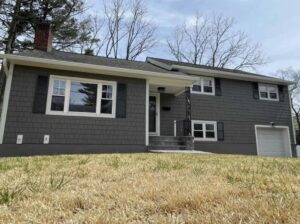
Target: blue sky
{"x":273,"y":23}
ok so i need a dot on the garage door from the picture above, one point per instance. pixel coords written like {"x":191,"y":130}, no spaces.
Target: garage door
{"x":273,"y":141}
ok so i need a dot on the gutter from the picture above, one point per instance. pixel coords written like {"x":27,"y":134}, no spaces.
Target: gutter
{"x":84,"y":67}
{"x":226,"y":74}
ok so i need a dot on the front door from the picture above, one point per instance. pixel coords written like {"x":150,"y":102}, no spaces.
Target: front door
{"x":154,"y":114}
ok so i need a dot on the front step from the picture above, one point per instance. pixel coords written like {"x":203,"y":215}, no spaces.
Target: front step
{"x":170,"y":143}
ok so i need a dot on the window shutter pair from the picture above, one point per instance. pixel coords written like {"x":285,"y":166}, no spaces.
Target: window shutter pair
{"x":281,"y":91}
{"x":41,"y":92}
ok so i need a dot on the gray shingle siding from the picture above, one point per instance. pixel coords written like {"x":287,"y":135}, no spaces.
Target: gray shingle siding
{"x":71,"y":129}
{"x":236,"y":108}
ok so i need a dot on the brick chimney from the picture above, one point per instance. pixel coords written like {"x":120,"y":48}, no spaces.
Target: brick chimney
{"x":43,"y":37}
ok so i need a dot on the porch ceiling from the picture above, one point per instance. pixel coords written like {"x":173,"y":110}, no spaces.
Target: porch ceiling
{"x":171,"y":86}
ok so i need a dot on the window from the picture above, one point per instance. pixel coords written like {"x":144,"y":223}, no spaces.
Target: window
{"x":58,"y":95}
{"x":204,"y":130}
{"x":204,"y":86}
{"x":106,"y":100}
{"x":268,"y":92}
{"x":83,"y":97}
{"x":80,"y":97}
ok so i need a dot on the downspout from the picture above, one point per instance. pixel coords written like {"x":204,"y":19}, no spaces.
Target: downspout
{"x":5,"y":67}
{"x":9,"y":73}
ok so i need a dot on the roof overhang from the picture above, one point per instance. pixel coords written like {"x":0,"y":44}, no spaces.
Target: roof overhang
{"x":231,"y":75}
{"x":218,"y":73}
{"x":179,"y":79}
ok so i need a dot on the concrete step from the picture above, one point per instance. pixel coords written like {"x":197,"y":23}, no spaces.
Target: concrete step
{"x":169,"y":143}
{"x":170,"y":147}
{"x":159,"y":142}
{"x":171,"y":138}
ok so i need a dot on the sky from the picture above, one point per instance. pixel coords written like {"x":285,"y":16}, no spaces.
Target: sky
{"x":275,"y":24}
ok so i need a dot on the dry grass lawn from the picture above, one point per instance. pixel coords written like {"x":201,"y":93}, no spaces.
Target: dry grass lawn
{"x":149,"y":188}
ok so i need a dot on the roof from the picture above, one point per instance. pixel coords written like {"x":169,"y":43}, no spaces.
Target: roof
{"x":171,"y":63}
{"x":152,"y":67}
{"x":95,"y":60}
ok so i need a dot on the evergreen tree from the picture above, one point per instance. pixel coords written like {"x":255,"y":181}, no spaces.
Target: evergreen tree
{"x":19,"y":19}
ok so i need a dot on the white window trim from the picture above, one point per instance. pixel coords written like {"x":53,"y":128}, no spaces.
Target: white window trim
{"x":204,"y":130}
{"x":202,"y":87}
{"x":268,"y":85}
{"x":66,"y":111}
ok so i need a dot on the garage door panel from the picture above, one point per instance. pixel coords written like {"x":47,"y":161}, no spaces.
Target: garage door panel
{"x":272,"y":142}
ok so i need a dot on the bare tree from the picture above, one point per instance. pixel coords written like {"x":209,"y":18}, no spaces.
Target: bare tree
{"x":293,"y":75}
{"x":114,"y":16}
{"x":128,"y":32}
{"x":214,"y":42}
{"x":139,"y":31}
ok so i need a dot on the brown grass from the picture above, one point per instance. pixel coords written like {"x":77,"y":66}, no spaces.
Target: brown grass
{"x":149,"y":188}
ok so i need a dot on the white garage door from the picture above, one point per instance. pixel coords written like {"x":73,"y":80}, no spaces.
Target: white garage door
{"x":273,"y":141}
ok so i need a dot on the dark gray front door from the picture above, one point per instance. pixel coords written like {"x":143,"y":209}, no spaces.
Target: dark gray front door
{"x":152,"y":114}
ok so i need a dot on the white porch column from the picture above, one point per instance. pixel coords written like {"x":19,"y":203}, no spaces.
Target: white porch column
{"x":5,"y":101}
{"x":147,"y":113}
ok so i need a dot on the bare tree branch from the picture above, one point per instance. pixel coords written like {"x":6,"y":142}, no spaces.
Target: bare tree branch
{"x":293,"y":75}
{"x":139,"y":31}
{"x":214,"y":42}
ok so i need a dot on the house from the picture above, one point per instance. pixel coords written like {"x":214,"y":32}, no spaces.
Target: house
{"x":56,"y":102}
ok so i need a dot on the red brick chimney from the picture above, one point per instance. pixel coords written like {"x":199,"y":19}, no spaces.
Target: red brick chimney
{"x":43,"y":37}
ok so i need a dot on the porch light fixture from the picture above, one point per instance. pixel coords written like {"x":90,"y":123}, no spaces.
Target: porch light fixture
{"x":161,"y":89}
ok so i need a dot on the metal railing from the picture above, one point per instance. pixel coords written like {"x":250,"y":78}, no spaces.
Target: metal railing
{"x":182,"y":128}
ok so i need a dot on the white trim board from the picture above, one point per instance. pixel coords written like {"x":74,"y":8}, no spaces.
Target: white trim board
{"x":5,"y":101}
{"x":147,"y":114}
{"x":275,"y":127}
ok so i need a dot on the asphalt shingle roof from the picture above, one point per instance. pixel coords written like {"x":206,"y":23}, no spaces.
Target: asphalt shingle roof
{"x":95,"y":60}
{"x":171,"y":62}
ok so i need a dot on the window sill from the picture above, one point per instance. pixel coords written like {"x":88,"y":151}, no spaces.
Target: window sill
{"x":267,"y":99}
{"x":206,"y":94}
{"x":205,"y":140}
{"x":75,"y":114}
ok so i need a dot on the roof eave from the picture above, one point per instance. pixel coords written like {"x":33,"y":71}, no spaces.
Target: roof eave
{"x":233,"y":75}
{"x":92,"y":68}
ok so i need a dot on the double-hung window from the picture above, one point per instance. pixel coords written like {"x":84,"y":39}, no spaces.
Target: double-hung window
{"x":58,"y":95}
{"x":204,"y":130}
{"x":204,"y":85}
{"x":81,"y":97}
{"x":268,"y":92}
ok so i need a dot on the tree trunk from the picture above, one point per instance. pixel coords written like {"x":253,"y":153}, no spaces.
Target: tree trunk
{"x":11,"y":39}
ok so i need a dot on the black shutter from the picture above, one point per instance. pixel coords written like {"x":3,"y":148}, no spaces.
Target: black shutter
{"x":281,"y":92}
{"x":121,"y":100}
{"x":41,"y":92}
{"x":220,"y":130}
{"x":255,"y":91}
{"x":218,"y":87}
